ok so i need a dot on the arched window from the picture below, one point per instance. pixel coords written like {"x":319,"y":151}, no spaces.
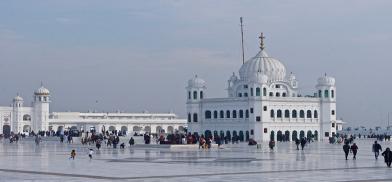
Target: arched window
{"x":271,"y":94}
{"x":302,"y":114}
{"x":257,"y":91}
{"x":294,"y":114}
{"x":308,"y":114}
{"x":194,"y":95}
{"x":227,"y":114}
{"x":189,"y":95}
{"x":234,"y":114}
{"x":251,"y":92}
{"x":264,"y":91}
{"x":326,"y":95}
{"x":201,"y":95}
{"x":194,"y":117}
{"x":208,"y":114}
{"x":26,"y":117}
{"x":319,"y":94}
{"x":222,"y":114}
{"x":333,"y":112}
{"x":279,"y":114}
{"x":277,"y":94}
{"x":189,"y":117}
{"x":332,"y":93}
{"x":284,"y":94}
{"x":241,"y":113}
{"x":272,"y":113}
{"x":315,"y":115}
{"x":286,"y":113}
{"x":247,"y":113}
{"x":215,"y":114}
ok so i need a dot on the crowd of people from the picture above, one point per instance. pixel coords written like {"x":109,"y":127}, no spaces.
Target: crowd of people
{"x":112,"y":139}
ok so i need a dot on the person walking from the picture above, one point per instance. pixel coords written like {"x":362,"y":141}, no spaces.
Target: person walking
{"x":271,"y":144}
{"x":297,"y":142}
{"x":131,"y":141}
{"x":37,"y":139}
{"x":346,"y":149}
{"x":387,"y":156}
{"x":90,"y":154}
{"x":303,"y":143}
{"x":376,"y":149}
{"x":354,"y":149}
{"x":73,"y":154}
{"x":98,"y":144}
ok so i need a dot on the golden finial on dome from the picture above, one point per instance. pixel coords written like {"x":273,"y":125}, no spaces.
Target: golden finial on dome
{"x":261,"y":41}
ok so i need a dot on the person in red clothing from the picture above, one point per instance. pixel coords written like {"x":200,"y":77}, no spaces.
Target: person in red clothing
{"x":354,"y":149}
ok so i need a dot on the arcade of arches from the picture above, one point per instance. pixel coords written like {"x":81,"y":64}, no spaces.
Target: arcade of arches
{"x":230,"y":135}
{"x":125,"y":129}
{"x":293,"y":135}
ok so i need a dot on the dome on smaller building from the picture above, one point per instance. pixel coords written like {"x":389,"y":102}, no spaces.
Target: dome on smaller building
{"x":42,"y":91}
{"x":196,"y":82}
{"x":18,"y":98}
{"x":233,"y":77}
{"x":326,"y":80}
{"x":291,"y":77}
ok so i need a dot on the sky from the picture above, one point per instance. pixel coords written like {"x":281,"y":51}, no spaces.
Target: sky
{"x":137,"y":56}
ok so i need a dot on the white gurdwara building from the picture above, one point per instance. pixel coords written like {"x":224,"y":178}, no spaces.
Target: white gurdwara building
{"x":264,"y":104}
{"x":17,"y":118}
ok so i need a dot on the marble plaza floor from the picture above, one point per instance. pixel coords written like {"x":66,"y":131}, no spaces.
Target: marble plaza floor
{"x":318,"y":162}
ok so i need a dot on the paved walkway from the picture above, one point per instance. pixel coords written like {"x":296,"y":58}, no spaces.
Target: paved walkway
{"x":318,"y":162}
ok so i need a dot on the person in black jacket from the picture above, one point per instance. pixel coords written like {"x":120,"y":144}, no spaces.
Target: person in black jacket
{"x":303,"y":143}
{"x":354,"y":149}
{"x":346,"y":149}
{"x":297,"y":142}
{"x":376,"y":149}
{"x":387,"y":156}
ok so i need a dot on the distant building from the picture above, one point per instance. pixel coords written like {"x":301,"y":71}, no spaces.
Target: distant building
{"x":263,"y":103}
{"x":18,"y":118}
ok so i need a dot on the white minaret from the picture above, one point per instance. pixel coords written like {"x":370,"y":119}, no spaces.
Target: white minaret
{"x":41,"y":109}
{"x":195,"y":93}
{"x":17,"y":104}
{"x":326,"y":91}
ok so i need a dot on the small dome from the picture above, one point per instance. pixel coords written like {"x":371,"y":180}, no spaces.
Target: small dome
{"x":326,"y":81}
{"x":18,"y":98}
{"x":42,"y":91}
{"x":196,"y":82}
{"x":291,"y":77}
{"x":262,"y":63}
{"x":233,"y":77}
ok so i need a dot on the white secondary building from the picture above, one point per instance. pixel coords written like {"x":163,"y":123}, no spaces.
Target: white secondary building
{"x":263,"y":103}
{"x":17,"y":118}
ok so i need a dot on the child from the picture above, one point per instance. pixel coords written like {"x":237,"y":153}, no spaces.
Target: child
{"x":73,"y":154}
{"x":90,"y":154}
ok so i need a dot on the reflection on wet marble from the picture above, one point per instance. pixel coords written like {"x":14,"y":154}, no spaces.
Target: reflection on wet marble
{"x":235,"y":162}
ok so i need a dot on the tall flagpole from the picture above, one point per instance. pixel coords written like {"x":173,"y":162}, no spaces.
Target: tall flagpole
{"x":242,"y":41}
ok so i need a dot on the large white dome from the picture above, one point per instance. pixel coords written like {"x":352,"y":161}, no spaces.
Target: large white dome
{"x":263,"y":64}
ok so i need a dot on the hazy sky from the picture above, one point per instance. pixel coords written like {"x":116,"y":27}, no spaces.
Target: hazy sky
{"x":138,"y":55}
